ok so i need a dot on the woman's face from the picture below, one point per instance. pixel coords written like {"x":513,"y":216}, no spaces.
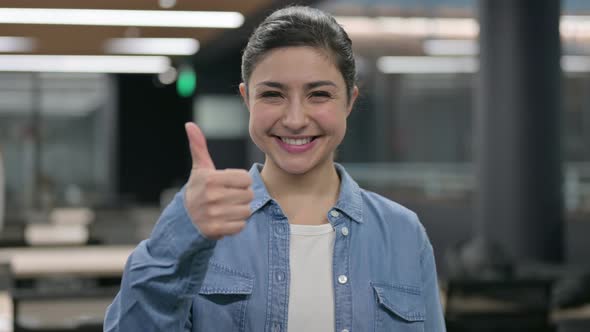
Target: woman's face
{"x":298,"y":108}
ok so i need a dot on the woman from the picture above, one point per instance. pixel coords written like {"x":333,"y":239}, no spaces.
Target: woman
{"x":294,"y":245}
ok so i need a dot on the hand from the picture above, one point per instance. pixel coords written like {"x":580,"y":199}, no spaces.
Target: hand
{"x":218,"y":201}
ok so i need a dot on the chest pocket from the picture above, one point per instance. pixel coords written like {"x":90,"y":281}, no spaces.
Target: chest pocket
{"x":222,"y":301}
{"x":398,"y":308}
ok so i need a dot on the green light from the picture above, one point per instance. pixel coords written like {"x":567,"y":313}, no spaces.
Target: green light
{"x":186,"y":82}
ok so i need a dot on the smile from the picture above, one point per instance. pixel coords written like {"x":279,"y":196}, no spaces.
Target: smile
{"x":296,"y":144}
{"x":296,"y":141}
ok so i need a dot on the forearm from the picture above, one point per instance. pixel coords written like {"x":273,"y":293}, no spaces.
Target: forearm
{"x":161,"y":276}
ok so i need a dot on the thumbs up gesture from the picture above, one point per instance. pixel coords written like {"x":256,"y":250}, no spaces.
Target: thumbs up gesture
{"x":218,"y":201}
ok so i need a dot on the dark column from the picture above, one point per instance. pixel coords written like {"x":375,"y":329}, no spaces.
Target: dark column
{"x":519,"y":203}
{"x":153,"y":152}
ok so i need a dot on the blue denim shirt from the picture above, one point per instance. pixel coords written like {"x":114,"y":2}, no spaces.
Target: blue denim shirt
{"x":178,"y":280}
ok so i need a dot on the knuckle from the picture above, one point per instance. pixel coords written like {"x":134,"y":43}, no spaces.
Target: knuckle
{"x":249,"y":180}
{"x":215,"y":229}
{"x":238,"y":226}
{"x":245,"y":197}
{"x":210,"y":180}
{"x":241,"y":173}
{"x":250,"y":194}
{"x":210,"y":196}
{"x":246,"y":178}
{"x":245,"y":211}
{"x":211,"y":212}
{"x":205,"y":229}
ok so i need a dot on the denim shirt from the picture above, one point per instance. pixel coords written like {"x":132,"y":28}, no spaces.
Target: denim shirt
{"x":384,"y":274}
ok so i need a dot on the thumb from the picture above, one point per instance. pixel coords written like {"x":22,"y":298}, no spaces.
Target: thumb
{"x":198,"y":147}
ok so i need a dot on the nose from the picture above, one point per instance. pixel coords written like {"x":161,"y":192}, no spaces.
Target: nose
{"x":295,"y":117}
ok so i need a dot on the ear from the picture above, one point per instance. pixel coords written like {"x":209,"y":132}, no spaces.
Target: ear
{"x":355,"y":93}
{"x":244,"y":94}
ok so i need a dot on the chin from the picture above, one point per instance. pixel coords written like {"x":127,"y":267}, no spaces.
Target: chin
{"x":301,"y":166}
{"x":296,"y":168}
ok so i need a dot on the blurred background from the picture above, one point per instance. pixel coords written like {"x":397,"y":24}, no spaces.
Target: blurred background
{"x":475,"y":114}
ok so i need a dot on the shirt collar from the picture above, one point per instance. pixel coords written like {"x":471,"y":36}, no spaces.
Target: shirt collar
{"x":349,"y":198}
{"x":261,"y":196}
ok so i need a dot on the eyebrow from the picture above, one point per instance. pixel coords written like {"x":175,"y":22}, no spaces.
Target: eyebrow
{"x":307,"y":86}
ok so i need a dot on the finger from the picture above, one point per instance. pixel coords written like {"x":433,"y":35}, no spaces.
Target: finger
{"x":220,"y":229}
{"x":230,"y":196}
{"x":198,"y":147}
{"x":231,"y":212}
{"x":233,"y":178}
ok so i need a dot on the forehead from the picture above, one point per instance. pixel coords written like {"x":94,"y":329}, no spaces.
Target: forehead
{"x":296,"y":66}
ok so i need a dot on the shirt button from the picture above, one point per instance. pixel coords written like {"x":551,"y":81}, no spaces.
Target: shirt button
{"x":276,"y":327}
{"x":345,"y":330}
{"x":344,"y":231}
{"x":334,"y":213}
{"x":342,"y":279}
{"x":280,"y":275}
{"x":277,"y":213}
{"x":281,"y":228}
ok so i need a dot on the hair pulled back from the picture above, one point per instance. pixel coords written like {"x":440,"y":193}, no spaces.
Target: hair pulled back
{"x":301,"y":26}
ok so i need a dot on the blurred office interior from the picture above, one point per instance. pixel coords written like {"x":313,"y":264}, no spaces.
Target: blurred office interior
{"x":475,"y":114}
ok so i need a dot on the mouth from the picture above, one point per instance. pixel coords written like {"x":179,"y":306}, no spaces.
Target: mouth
{"x":297,"y":141}
{"x":296,"y":144}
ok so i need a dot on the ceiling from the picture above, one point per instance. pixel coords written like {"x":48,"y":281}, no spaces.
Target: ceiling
{"x":64,"y":39}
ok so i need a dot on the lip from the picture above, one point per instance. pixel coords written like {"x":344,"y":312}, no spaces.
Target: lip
{"x":296,"y":148}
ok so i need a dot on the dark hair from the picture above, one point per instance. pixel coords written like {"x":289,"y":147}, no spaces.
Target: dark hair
{"x":301,"y":26}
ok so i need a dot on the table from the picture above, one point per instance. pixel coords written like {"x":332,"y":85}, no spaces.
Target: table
{"x":92,"y":261}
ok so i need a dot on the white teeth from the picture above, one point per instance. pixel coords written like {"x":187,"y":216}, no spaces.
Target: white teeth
{"x":299,"y":141}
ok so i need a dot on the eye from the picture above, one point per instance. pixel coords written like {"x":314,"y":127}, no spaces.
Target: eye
{"x":320,"y":95}
{"x":270,"y":94}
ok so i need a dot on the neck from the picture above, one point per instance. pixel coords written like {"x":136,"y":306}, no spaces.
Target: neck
{"x":321,"y":183}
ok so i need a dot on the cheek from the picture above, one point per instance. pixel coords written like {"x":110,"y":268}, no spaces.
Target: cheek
{"x":256,"y":131}
{"x":261,"y":119}
{"x":332,"y":119}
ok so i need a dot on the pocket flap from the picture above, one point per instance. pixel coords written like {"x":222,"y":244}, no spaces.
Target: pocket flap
{"x":403,"y":301}
{"x":224,"y":280}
